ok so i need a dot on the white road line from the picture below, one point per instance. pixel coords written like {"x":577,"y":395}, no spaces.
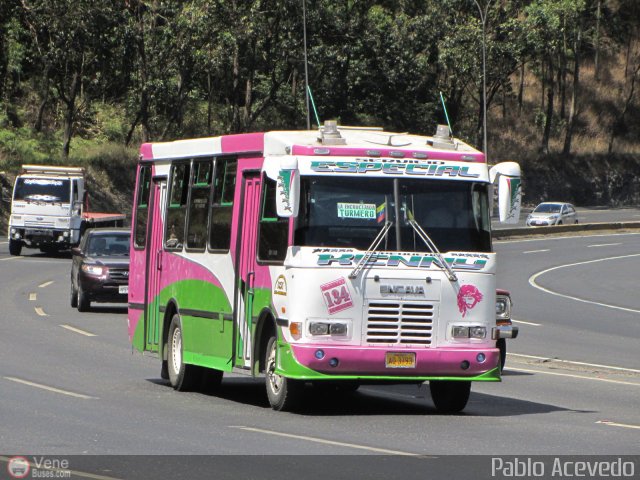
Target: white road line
{"x":534,"y":277}
{"x":41,"y":312}
{"x":583,"y":364}
{"x":570,"y":237}
{"x":526,"y":323}
{"x":10,"y":258}
{"x":537,"y":251}
{"x":33,"y":297}
{"x":45,"y":284}
{"x":328,"y":442}
{"x":75,"y":473}
{"x":527,"y":370}
{"x":77,"y":330}
{"x":50,"y":389}
{"x":603,"y":245}
{"x":614,"y":424}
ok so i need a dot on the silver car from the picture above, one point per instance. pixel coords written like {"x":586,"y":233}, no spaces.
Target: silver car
{"x":552,"y":213}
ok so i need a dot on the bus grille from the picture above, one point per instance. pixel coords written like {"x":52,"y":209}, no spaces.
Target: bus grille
{"x":400,"y":323}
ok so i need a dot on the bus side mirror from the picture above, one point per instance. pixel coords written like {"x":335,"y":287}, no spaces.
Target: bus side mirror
{"x":509,"y":190}
{"x":288,"y":188}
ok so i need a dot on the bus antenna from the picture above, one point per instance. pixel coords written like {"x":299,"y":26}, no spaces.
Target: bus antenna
{"x":444,"y":106}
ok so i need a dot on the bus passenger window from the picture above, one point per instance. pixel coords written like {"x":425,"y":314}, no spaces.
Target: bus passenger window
{"x":222,"y":205}
{"x":177,"y":207}
{"x":274,"y":231}
{"x":199,"y":204}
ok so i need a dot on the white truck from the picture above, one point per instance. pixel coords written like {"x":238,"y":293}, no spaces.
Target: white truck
{"x":49,"y":209}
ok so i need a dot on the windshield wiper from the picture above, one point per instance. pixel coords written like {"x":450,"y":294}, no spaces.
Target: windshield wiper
{"x":434,"y":250}
{"x":376,"y":241}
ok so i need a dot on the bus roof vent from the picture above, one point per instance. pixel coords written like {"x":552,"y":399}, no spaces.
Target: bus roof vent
{"x":442,"y":139}
{"x":330,"y":135}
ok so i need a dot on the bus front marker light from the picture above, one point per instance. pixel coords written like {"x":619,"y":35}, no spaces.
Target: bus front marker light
{"x":481,"y":357}
{"x":464,"y":365}
{"x":318,"y":328}
{"x":295,"y":328}
{"x":319,"y":354}
{"x":334,"y":362}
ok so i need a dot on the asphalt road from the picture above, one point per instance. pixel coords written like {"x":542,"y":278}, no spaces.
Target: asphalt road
{"x":70,"y":384}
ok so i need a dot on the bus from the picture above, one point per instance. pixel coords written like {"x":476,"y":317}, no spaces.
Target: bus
{"x":337,"y":257}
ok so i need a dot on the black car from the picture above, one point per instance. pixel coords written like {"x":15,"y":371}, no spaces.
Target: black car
{"x":100,"y":268}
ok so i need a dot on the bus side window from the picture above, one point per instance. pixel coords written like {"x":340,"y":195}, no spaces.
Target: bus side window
{"x":274,"y":231}
{"x":222,"y":205}
{"x":199,"y":204}
{"x":142,"y":206}
{"x":177,"y":206}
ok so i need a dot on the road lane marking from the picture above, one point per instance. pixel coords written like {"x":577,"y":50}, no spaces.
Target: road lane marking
{"x":50,"y":389}
{"x":534,"y":277}
{"x":41,"y":312}
{"x":569,"y":237}
{"x":582,"y":364}
{"x":33,"y":297}
{"x":45,"y":284}
{"x":63,"y":473}
{"x":526,"y":323}
{"x":77,"y":330}
{"x":537,"y":251}
{"x":604,"y":245}
{"x":527,"y":370}
{"x":10,"y":258}
{"x":328,"y":442}
{"x":614,"y":424}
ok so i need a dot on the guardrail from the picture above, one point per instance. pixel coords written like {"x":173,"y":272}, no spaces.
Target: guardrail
{"x":579,"y":227}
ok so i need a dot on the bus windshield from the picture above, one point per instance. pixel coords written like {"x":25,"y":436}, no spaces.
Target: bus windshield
{"x":342,"y":212}
{"x":42,"y":190}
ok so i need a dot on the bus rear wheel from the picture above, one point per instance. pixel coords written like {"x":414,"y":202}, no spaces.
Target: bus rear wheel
{"x":283,"y":393}
{"x":182,"y":377}
{"x":450,"y":396}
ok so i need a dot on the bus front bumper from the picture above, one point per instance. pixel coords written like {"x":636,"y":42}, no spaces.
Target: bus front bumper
{"x":386,"y":363}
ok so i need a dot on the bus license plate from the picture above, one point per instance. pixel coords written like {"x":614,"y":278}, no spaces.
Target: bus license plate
{"x":400,"y":360}
{"x":123,"y":289}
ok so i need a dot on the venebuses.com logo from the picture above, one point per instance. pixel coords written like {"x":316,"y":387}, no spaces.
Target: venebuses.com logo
{"x":18,"y":467}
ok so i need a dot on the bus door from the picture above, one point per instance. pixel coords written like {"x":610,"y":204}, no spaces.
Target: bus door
{"x":154,"y":263}
{"x":248,"y":232}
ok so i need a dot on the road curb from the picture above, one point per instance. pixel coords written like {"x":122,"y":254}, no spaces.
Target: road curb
{"x":504,"y":233}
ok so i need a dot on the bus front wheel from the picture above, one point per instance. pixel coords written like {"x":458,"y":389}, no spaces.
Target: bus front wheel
{"x":15,"y":247}
{"x":450,"y":396}
{"x":283,"y":393}
{"x":181,"y":376}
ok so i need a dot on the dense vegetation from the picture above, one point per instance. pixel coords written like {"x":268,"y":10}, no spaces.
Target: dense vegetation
{"x":82,"y":80}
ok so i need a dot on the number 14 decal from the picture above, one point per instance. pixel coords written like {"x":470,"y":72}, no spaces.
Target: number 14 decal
{"x":336,"y":295}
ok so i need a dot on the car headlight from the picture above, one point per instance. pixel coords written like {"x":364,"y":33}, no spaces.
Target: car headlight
{"x":96,"y":270}
{"x":503,"y":307}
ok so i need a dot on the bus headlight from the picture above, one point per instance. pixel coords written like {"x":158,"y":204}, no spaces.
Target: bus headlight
{"x":477,"y":332}
{"x":335,"y":329}
{"x":468,"y":331}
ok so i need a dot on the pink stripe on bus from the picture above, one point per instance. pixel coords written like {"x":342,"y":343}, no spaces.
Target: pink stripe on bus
{"x":146,"y":150}
{"x":245,"y":142}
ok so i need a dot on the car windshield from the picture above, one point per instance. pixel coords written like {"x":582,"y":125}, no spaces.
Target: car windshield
{"x":547,"y":208}
{"x":109,"y":245}
{"x":42,"y":190}
{"x":351,"y":212}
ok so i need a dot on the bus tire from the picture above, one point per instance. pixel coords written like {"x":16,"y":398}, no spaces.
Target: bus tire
{"x":83,"y":302}
{"x":182,"y":377}
{"x":502,"y":346}
{"x":15,"y":247}
{"x":450,"y":396}
{"x":283,"y":393}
